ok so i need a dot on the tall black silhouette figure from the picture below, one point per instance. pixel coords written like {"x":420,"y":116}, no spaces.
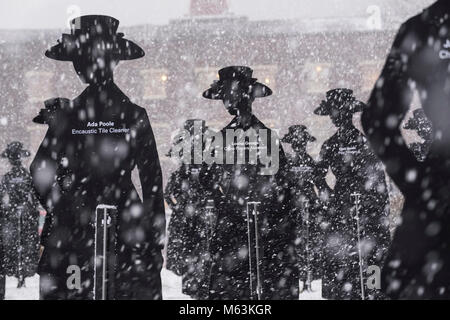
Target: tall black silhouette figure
{"x":2,"y":270}
{"x":302,"y":176}
{"x":418,"y":264}
{"x":19,"y":212}
{"x":92,"y":145}
{"x":420,"y":123}
{"x":192,"y":220}
{"x":273,"y":272}
{"x":350,"y":243}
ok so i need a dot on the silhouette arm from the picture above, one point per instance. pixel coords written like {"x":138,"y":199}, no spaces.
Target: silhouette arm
{"x":154,"y":221}
{"x":2,"y":198}
{"x":33,"y":196}
{"x":389,"y":102}
{"x":170,"y":191}
{"x":43,"y":171}
{"x":321,"y":171}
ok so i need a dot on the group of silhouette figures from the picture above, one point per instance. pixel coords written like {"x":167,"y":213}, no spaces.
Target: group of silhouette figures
{"x":236,"y":232}
{"x":304,"y":229}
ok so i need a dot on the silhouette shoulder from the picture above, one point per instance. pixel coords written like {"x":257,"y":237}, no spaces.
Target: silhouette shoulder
{"x":417,"y":27}
{"x":327,"y":148}
{"x":138,"y":113}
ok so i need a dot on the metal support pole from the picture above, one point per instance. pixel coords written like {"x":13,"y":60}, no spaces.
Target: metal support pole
{"x":357,"y":196}
{"x":308,"y":283}
{"x":253,"y":215}
{"x":104,"y":233}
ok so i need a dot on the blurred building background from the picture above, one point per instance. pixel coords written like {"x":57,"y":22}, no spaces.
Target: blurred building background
{"x":332,"y":44}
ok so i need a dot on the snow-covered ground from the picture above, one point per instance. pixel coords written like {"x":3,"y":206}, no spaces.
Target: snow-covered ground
{"x":171,"y":289}
{"x":30,"y":292}
{"x":315,"y":294}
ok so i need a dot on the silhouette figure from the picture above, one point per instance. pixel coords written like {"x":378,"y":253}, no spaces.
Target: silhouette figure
{"x":191,"y":222}
{"x":86,"y":158}
{"x":241,"y":269}
{"x":19,"y":212}
{"x":350,"y":243}
{"x":2,"y":270}
{"x":418,"y":264}
{"x":422,"y":125}
{"x":301,"y":178}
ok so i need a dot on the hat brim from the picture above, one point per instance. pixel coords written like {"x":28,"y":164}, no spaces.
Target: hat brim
{"x":52,"y":106}
{"x":39,"y":119}
{"x":325,"y":108}
{"x":67,"y":49}
{"x":216,"y":91}
{"x":22,"y":154}
{"x":289,"y":138}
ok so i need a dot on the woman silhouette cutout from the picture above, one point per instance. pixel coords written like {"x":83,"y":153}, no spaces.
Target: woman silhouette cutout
{"x":192,"y":218}
{"x":418,"y":263}
{"x":91,"y":147}
{"x":241,"y":183}
{"x":301,"y":177}
{"x":359,"y":177}
{"x":19,"y":214}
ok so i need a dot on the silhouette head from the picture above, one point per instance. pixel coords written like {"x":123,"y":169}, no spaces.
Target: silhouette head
{"x":298,"y":137}
{"x":14,"y":152}
{"x":420,"y":123}
{"x":95,"y":48}
{"x":237,"y":89}
{"x":340,"y":105}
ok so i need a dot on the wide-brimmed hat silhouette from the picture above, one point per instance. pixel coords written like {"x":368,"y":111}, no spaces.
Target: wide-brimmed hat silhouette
{"x":15,"y":151}
{"x":48,"y":115}
{"x":298,"y":133}
{"x":94,"y":35}
{"x":342,"y":100}
{"x":243,"y":77}
{"x":419,"y":121}
{"x":189,"y":125}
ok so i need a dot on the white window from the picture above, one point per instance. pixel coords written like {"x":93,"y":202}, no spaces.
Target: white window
{"x":155,"y":83}
{"x":317,"y":76}
{"x":266,"y":74}
{"x":204,"y":77}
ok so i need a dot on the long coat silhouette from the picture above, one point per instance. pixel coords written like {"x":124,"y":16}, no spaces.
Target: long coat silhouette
{"x":86,"y":158}
{"x":236,"y":186}
{"x":418,"y":264}
{"x":2,"y":272}
{"x":357,"y":171}
{"x":19,"y":212}
{"x":301,"y":178}
{"x":191,"y":223}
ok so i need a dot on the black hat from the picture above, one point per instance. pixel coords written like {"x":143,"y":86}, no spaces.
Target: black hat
{"x":48,"y":115}
{"x":341,"y":99}
{"x":419,"y":121}
{"x":189,"y":125}
{"x":298,"y":133}
{"x":15,"y":151}
{"x":97,"y":34}
{"x":243,"y":76}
